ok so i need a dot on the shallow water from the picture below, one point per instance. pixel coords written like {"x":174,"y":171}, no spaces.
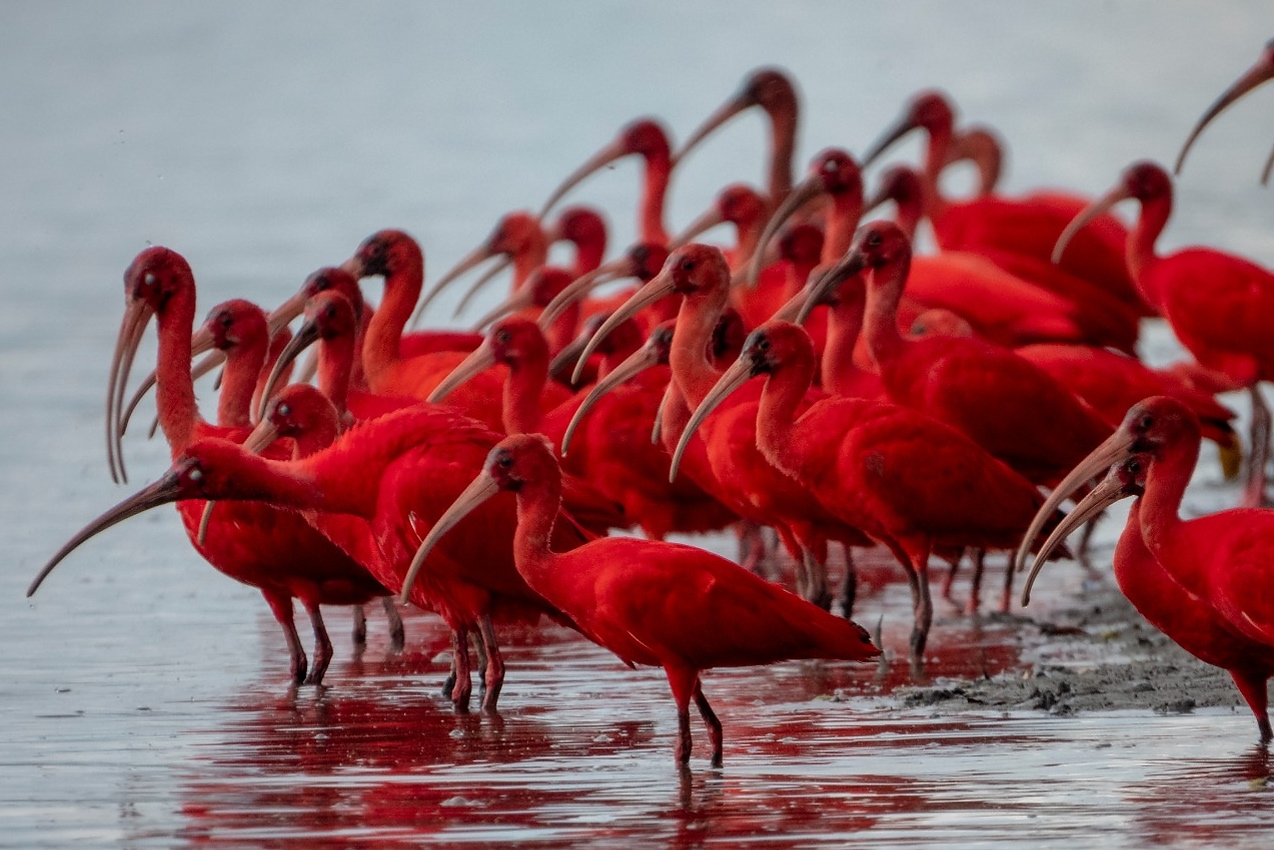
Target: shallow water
{"x":142,"y":696}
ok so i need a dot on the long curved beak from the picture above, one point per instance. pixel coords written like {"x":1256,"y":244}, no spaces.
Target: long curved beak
{"x":264,"y":434}
{"x":473,"y":259}
{"x":579,"y":287}
{"x":480,"y":359}
{"x":604,"y":157}
{"x":1105,"y":494}
{"x":660,"y":286}
{"x":568,"y":355}
{"x":305,"y":336}
{"x":1259,"y":73}
{"x":479,"y":284}
{"x":636,"y":363}
{"x":1086,"y":215}
{"x":803,"y":193}
{"x":137,"y":316}
{"x":706,"y":220}
{"x":1265,"y":172}
{"x":820,"y":287}
{"x":479,"y":490}
{"x":885,"y":140}
{"x":1116,"y":447}
{"x":737,"y":375}
{"x":162,"y":492}
{"x":520,"y":300}
{"x":723,"y":113}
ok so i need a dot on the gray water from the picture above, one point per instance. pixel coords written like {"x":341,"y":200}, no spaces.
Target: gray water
{"x":141,"y":694}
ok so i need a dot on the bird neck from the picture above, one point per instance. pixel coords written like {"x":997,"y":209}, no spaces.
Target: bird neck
{"x":531,"y":256}
{"x":335,"y":369}
{"x":783,"y":122}
{"x":1159,"y":512}
{"x":523,"y":389}
{"x":174,"y":389}
{"x":385,"y":330}
{"x":884,"y":292}
{"x":842,"y":219}
{"x":1140,"y":250}
{"x":539,"y":502}
{"x":843,"y":327}
{"x":239,"y":379}
{"x":691,"y":369}
{"x":654,"y":187}
{"x":784,"y":389}
{"x":940,"y":137}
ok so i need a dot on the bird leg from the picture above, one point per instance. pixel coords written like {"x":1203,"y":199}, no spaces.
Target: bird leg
{"x":494,"y":674}
{"x":360,"y":626}
{"x":948,"y":581}
{"x":710,"y":719}
{"x":1254,"y":495}
{"x":462,"y":686}
{"x":850,"y":590}
{"x":397,"y":635}
{"x":684,"y":684}
{"x":1251,"y":685}
{"x":815,"y":573}
{"x":1006,"y":592}
{"x":322,"y":645}
{"x":281,"y":606}
{"x":975,"y":583}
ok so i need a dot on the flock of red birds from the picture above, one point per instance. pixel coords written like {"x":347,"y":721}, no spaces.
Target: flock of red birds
{"x":944,"y":403}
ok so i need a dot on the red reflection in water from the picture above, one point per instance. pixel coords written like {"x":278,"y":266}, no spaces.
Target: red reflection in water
{"x":1207,"y":803}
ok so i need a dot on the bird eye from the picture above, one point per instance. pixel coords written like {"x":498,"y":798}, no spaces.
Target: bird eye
{"x":505,"y":460}
{"x":763,"y":344}
{"x":687,"y":265}
{"x":195,"y":475}
{"x":284,"y":410}
{"x":149,"y":279}
{"x":1146,"y":422}
{"x":503,"y":338}
{"x":873,"y":240}
{"x":1134,"y":466}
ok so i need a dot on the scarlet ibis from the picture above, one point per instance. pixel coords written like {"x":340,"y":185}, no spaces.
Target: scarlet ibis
{"x":739,"y":205}
{"x":646,"y":138}
{"x":394,"y":476}
{"x":1026,"y":225}
{"x":1202,"y":582}
{"x":1224,"y":323}
{"x":517,"y":237}
{"x":1010,"y":407}
{"x":999,"y":291}
{"x":585,"y":228}
{"x":908,"y":481}
{"x":649,"y":602}
{"x":1260,"y":72}
{"x":773,"y":91}
{"x":614,"y":450}
{"x":725,"y":462}
{"x":273,"y":550}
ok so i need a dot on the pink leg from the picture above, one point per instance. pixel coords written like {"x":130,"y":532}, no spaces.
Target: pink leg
{"x":850,"y":590}
{"x":493,"y":677}
{"x":1254,"y":495}
{"x":684,"y":683}
{"x":1251,"y":685}
{"x":322,"y":645}
{"x":281,"y":606}
{"x":397,"y":635}
{"x":710,"y":719}
{"x":360,"y":626}
{"x":462,"y":687}
{"x":975,"y":583}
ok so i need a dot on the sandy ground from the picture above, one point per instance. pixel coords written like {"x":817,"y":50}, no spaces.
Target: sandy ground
{"x":1096,"y":654}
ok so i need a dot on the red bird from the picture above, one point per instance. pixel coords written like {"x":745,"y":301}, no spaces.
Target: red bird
{"x":773,"y":91}
{"x":906,"y":480}
{"x":649,"y":602}
{"x":377,"y":490}
{"x":517,"y":239}
{"x":725,"y":462}
{"x":1027,"y":225}
{"x":1203,"y":582}
{"x":1010,"y":407}
{"x":647,"y":139}
{"x":273,"y":550}
{"x":1262,"y":71}
{"x":1218,"y":304}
